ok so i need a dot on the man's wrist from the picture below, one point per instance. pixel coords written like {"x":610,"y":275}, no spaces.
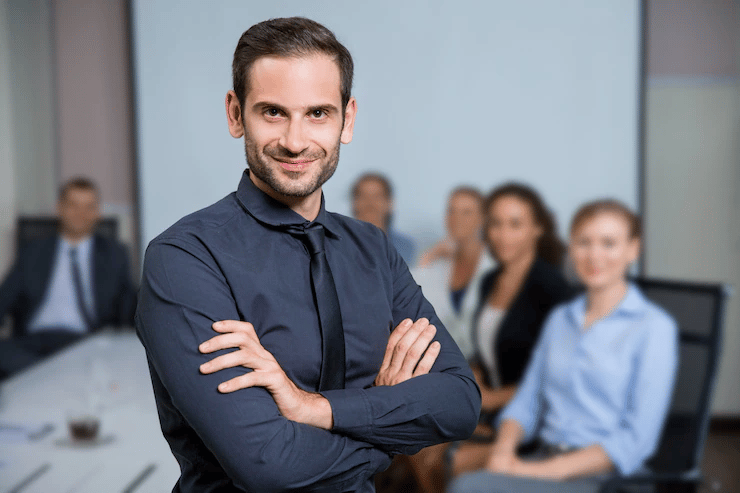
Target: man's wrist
{"x":316,"y":411}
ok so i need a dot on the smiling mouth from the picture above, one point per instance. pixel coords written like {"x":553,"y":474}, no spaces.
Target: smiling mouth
{"x":294,"y":165}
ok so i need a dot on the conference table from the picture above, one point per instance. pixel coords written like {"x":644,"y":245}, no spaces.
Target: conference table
{"x":106,"y":375}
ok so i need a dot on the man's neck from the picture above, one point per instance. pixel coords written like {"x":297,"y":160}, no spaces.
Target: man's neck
{"x":308,"y":206}
{"x":75,"y":238}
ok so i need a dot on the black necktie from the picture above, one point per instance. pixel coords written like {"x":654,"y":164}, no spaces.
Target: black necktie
{"x":330,"y":318}
{"x":79,"y":292}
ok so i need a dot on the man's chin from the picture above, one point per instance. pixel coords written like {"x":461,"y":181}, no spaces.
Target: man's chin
{"x":295,"y":184}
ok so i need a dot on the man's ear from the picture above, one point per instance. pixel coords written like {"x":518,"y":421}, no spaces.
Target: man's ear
{"x":234,"y":116}
{"x":349,"y":121}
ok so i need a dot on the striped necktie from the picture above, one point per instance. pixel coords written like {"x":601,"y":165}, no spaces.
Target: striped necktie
{"x":79,"y":291}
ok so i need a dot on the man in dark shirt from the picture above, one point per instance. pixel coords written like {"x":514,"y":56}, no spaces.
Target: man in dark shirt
{"x":232,"y":309}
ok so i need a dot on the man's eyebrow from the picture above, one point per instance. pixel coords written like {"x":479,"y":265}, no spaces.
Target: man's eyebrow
{"x":328,"y":107}
{"x":261,"y":105}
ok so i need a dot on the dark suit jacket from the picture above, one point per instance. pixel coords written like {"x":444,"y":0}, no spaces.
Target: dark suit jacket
{"x":23,"y":289}
{"x":517,"y":335}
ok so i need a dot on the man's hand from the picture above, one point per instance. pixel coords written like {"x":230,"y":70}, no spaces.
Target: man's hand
{"x":295,"y":404}
{"x":409,"y":352}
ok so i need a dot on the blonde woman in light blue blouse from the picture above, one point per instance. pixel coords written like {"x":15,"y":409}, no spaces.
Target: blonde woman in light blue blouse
{"x":598,"y":387}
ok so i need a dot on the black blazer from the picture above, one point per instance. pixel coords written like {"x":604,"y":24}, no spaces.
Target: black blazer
{"x":23,"y":289}
{"x":517,"y":335}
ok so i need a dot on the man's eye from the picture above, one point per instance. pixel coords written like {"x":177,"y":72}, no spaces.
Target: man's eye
{"x":317,"y":113}
{"x":272,"y":112}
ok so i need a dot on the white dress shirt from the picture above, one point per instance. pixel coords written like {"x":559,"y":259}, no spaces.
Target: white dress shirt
{"x":488,"y":325}
{"x":59,"y":309}
{"x":434,"y":280}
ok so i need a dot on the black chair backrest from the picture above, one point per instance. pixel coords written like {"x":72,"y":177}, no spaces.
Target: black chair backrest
{"x":699,"y":312}
{"x":35,"y":227}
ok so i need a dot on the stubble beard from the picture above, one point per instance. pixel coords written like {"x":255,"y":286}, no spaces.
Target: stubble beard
{"x":258,"y":164}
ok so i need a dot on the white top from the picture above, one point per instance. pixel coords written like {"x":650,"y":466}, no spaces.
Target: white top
{"x":488,"y":325}
{"x":435,"y":284}
{"x":58,"y":308}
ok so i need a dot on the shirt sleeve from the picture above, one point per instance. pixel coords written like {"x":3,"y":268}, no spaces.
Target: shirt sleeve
{"x":649,"y":397}
{"x":183,"y":292}
{"x":527,"y":405}
{"x":441,"y":406}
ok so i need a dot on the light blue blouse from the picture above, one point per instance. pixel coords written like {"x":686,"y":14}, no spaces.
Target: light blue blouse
{"x":609,"y":385}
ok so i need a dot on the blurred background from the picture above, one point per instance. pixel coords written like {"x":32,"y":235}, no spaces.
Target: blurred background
{"x":639,"y":100}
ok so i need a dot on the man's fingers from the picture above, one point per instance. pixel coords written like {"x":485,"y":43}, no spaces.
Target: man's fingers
{"x":417,"y":349}
{"x":231,"y":360}
{"x":226,"y":341}
{"x":393,"y":339}
{"x":225,"y":326}
{"x":430,"y":356}
{"x":251,"y":379}
{"x":232,"y":326}
{"x":406,"y":342}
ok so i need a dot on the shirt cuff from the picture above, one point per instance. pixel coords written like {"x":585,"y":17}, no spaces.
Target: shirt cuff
{"x":523,"y":417}
{"x":350,"y":410}
{"x":624,"y":464}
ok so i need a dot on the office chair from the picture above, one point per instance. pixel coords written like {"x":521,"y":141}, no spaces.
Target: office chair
{"x":35,"y":227}
{"x":699,"y":312}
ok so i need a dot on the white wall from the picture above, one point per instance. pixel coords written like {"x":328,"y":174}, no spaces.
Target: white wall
{"x":94,"y":105}
{"x":29,"y":24}
{"x":448,"y":93}
{"x":693,"y":185}
{"x":693,"y":159}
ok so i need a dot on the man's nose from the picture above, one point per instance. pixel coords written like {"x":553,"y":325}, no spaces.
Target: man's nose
{"x":294,"y":139}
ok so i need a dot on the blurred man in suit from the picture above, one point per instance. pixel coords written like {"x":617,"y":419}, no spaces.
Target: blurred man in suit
{"x":65,"y":286}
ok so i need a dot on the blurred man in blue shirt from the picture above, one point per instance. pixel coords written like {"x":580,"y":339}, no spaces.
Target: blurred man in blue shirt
{"x":372,"y":202}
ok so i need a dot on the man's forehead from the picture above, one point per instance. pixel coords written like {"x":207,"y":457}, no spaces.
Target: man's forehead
{"x":309,"y":80}
{"x":79,"y":193}
{"x":371,"y":186}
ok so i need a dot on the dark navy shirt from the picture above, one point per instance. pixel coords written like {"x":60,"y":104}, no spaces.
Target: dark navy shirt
{"x":233,"y":260}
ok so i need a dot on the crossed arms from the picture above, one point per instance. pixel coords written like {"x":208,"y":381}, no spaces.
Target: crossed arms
{"x":410,"y":353}
{"x":272,"y":436}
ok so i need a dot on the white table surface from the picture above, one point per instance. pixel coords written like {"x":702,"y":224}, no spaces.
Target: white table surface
{"x":110,"y":366}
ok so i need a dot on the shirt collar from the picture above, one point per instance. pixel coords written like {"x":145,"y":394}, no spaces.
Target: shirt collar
{"x":633,"y":303}
{"x":83,"y":247}
{"x":271,"y":212}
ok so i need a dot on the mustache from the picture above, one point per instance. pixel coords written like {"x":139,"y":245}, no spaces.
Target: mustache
{"x":280,"y":152}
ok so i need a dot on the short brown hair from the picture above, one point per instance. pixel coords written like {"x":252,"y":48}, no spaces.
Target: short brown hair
{"x":372,"y":176}
{"x":470,"y":191}
{"x":288,"y":37}
{"x":77,"y":183}
{"x":592,"y":209}
{"x":549,"y":247}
